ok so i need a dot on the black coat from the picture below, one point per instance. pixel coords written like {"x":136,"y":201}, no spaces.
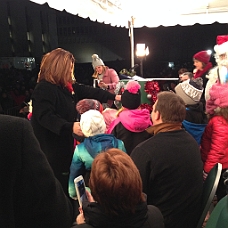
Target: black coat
{"x":144,"y":217}
{"x":30,"y":195}
{"x":195,"y":114}
{"x":130,"y":139}
{"x":171,"y":169}
{"x":53,"y":116}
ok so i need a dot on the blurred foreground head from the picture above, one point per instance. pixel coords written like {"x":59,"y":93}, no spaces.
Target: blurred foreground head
{"x":115,"y":182}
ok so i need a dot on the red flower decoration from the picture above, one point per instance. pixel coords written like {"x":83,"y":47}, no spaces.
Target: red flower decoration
{"x":152,"y":88}
{"x":146,"y":106}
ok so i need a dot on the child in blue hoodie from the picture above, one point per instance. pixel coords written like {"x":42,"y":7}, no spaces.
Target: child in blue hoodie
{"x":93,"y":127}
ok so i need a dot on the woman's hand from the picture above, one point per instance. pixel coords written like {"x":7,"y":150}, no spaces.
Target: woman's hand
{"x":80,"y":218}
{"x":89,"y":197}
{"x":102,"y":85}
{"x":77,"y":129}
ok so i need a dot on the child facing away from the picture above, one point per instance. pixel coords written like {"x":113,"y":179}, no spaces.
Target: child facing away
{"x":109,"y":114}
{"x":214,"y":144}
{"x":93,"y":127}
{"x":195,"y":121}
{"x":131,"y":122}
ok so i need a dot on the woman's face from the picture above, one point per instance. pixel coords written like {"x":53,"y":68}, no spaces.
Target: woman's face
{"x":198,"y":64}
{"x":99,"y":69}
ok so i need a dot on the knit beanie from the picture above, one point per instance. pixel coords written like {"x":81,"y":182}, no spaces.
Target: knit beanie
{"x":202,"y":56}
{"x":109,"y":115}
{"x":87,"y":104}
{"x":92,"y":123}
{"x":218,"y":97}
{"x":131,"y":97}
{"x":190,"y":90}
{"x":96,"y":61}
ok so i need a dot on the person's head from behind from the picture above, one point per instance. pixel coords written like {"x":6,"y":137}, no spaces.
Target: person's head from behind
{"x":190,"y":90}
{"x":217,"y":104}
{"x":115,"y":182}
{"x":87,"y":104}
{"x":57,"y":67}
{"x":168,"y":108}
{"x":92,"y":123}
{"x":131,"y":97}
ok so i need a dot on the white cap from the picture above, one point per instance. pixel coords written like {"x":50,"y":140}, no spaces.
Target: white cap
{"x":92,"y":123}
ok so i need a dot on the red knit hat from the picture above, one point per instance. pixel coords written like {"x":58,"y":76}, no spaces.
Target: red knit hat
{"x":218,"y":97}
{"x":202,"y":56}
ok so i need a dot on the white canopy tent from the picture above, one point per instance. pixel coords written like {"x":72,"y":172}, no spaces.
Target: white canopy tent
{"x":135,"y":14}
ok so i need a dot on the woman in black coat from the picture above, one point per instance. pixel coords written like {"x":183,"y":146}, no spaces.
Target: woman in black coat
{"x":54,"y":116}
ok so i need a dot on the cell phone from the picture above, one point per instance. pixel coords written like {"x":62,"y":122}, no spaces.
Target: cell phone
{"x":80,"y":189}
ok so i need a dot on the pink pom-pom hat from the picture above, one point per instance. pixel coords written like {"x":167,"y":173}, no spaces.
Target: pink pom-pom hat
{"x":131,"y":97}
{"x":218,"y":97}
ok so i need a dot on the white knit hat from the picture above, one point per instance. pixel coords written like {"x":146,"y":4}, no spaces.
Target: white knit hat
{"x":96,"y":61}
{"x":92,"y":123}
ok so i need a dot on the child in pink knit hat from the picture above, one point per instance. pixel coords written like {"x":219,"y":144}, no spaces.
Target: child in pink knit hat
{"x":218,"y":98}
{"x":214,"y":144}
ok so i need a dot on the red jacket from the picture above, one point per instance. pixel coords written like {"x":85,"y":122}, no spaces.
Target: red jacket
{"x":214,"y":144}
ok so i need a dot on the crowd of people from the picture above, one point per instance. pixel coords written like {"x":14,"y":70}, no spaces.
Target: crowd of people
{"x":16,"y":87}
{"x":143,"y":169}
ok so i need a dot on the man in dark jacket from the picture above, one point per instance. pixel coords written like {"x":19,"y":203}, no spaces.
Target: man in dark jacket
{"x":30,"y":195}
{"x":170,"y":164}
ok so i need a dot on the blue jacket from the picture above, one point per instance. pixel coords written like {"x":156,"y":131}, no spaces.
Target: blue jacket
{"x":194,"y":129}
{"x":86,"y":151}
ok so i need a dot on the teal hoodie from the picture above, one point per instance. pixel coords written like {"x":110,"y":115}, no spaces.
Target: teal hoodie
{"x":86,"y":151}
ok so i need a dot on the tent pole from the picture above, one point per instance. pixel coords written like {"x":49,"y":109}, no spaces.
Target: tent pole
{"x":131,"y":33}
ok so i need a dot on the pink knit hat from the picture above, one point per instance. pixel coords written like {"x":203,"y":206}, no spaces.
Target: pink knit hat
{"x":218,"y":97}
{"x":202,"y":56}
